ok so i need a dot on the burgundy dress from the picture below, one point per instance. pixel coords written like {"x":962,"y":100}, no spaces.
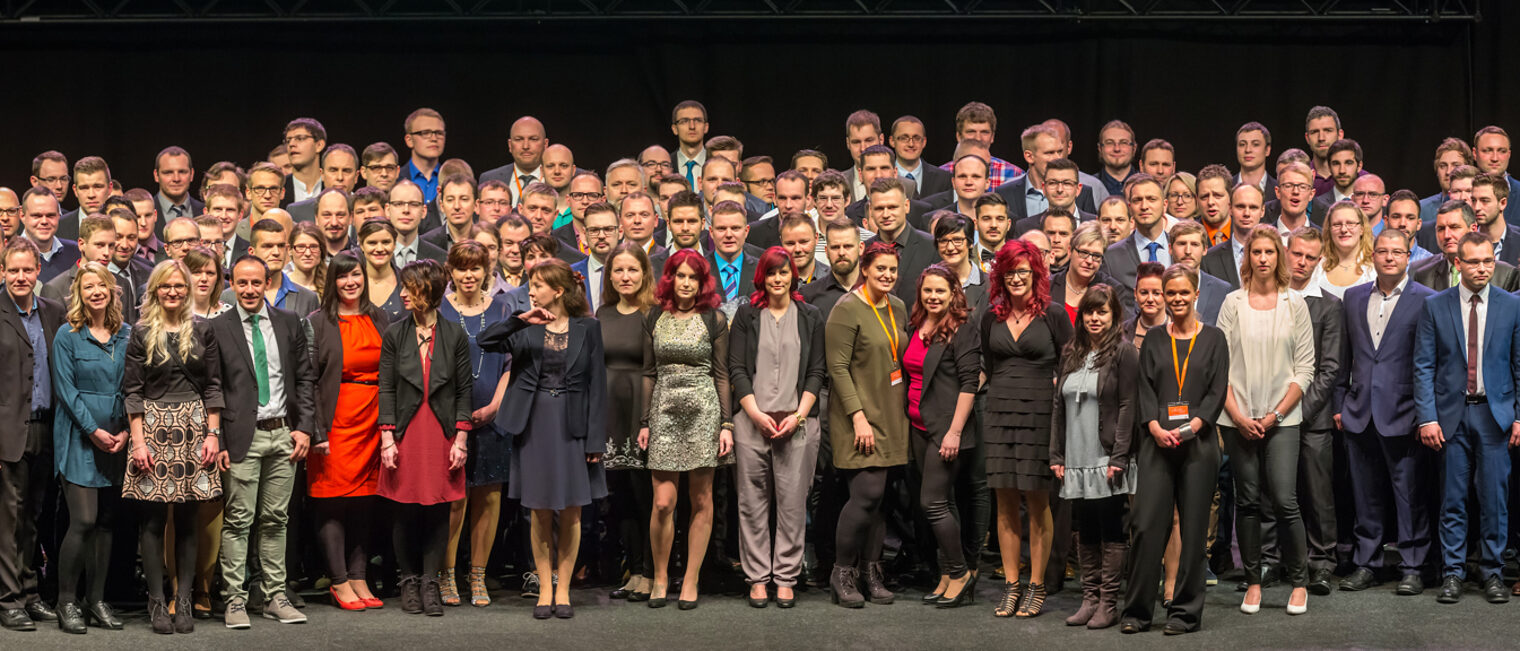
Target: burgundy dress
{"x":422,"y":474}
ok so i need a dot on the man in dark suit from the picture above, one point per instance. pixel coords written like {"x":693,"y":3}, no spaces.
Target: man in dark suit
{"x":1061,"y":190}
{"x":1454,"y":219}
{"x":1147,"y":242}
{"x":915,"y":248}
{"x":1253,"y":149}
{"x":269,"y":245}
{"x":404,"y":210}
{"x":1042,"y":145}
{"x":1390,"y":472}
{"x":340,"y":167}
{"x":1294,"y":206}
{"x":27,"y":326}
{"x":99,"y":245}
{"x":267,"y":426}
{"x":1466,"y":373}
{"x":39,"y":223}
{"x":1223,"y":259}
{"x":92,"y":186}
{"x":877,"y":162}
{"x":1186,"y":241}
{"x":130,"y":269}
{"x":732,"y":261}
{"x":908,"y":139}
{"x":1490,"y":197}
{"x":175,"y":175}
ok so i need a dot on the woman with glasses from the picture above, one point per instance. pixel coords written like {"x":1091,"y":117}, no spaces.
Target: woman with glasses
{"x":1182,"y":196}
{"x":1068,"y":287}
{"x":953,"y":235}
{"x":1348,"y":254}
{"x":308,"y":257}
{"x":377,"y":242}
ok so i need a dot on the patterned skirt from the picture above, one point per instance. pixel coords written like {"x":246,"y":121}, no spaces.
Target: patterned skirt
{"x":174,"y":427}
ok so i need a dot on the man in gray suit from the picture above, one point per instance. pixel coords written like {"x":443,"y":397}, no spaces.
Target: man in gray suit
{"x":340,"y":169}
{"x":1454,"y":219}
{"x":1148,"y":241}
{"x":1187,"y":247}
{"x":270,"y":244}
{"x":862,"y":130}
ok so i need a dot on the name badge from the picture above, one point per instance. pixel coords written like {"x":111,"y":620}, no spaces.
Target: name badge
{"x":1177,"y":411}
{"x":896,"y":377}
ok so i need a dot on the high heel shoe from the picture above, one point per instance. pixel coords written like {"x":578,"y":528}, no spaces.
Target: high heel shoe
{"x":480,"y":597}
{"x":356,"y":604}
{"x":448,"y":587}
{"x":1250,"y":608}
{"x":101,"y":614}
{"x":933,"y":597}
{"x":71,"y":618}
{"x":660,"y":601}
{"x":960,"y":599}
{"x":1298,"y":610}
{"x":1033,"y":602}
{"x":158,"y":614}
{"x":1008,"y":606}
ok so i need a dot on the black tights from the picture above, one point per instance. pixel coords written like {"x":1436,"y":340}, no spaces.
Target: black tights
{"x":420,"y":532}
{"x":1101,"y":520}
{"x":154,"y":516}
{"x":86,"y":547}
{"x":342,"y":525}
{"x":632,"y":496}
{"x":861,"y":527}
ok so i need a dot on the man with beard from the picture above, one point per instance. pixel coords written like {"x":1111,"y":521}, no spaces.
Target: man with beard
{"x":1116,"y":148}
{"x":1214,"y":183}
{"x":335,"y":220}
{"x":601,"y":232}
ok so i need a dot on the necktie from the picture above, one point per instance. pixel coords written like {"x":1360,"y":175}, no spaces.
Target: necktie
{"x":691,"y":176}
{"x":523,"y":180}
{"x":730,"y":282}
{"x":1151,"y":250}
{"x":1472,"y":345}
{"x":260,"y":361}
{"x":1456,"y":277}
{"x":176,"y":212}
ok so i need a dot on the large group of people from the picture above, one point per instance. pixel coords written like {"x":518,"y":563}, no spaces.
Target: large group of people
{"x":332,"y":369}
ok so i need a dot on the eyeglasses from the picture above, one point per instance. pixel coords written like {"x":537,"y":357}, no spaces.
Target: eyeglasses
{"x":182,"y":242}
{"x":829,"y":199}
{"x":687,"y":122}
{"x":1486,"y":262}
{"x":11,"y":212}
{"x":1178,"y":196}
{"x":1021,"y":273}
{"x":1397,"y":253}
{"x":954,"y":242}
{"x":1061,"y":184}
{"x":495,"y":203}
{"x":300,"y":137}
{"x":306,"y":248}
{"x":49,"y":180}
{"x":910,"y":140}
{"x":1366,"y":195}
{"x":265,"y":190}
{"x":1296,"y":187}
{"x":1089,"y":255}
{"x":656,"y":165}
{"x":176,"y":288}
{"x":585,"y":196}
{"x":1117,"y":143}
{"x":387,"y":169}
{"x":1345,"y":227}
{"x":431,"y":134}
{"x":761,"y":182}
{"x":601,"y":231}
{"x":414,"y":205}
{"x":210,"y":243}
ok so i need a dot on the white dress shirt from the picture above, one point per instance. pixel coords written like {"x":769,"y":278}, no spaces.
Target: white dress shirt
{"x":1466,"y":296}
{"x":1380,"y":308}
{"x":275,"y":408}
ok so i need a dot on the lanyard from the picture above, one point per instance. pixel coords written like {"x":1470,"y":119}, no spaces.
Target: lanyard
{"x":891,"y":337}
{"x":1181,"y":369}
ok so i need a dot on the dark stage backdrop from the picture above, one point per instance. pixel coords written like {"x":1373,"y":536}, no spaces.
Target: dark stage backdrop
{"x":605,"y":89}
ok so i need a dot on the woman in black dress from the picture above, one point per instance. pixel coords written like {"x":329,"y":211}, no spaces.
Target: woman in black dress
{"x":627,"y":294}
{"x":377,"y":241}
{"x":1023,"y":333}
{"x":559,"y":378}
{"x":1184,"y":370}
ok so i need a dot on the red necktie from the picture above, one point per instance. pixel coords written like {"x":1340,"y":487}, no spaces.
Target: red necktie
{"x":1472,"y":345}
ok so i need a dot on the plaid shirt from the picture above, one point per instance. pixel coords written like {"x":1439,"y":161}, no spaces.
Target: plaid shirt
{"x":1002,"y":171}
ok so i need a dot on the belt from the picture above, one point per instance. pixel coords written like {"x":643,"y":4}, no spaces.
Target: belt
{"x":364,"y":382}
{"x":555,"y":393}
{"x":41,"y":416}
{"x":1477,"y":400}
{"x":270,"y":424}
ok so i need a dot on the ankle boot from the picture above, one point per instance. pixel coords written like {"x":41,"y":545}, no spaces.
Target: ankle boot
{"x":158,"y":614}
{"x":842,"y":584}
{"x":411,"y":594}
{"x":184,"y":615}
{"x":876,"y":584}
{"x":1091,"y":558}
{"x":1108,"y":588}
{"x":432,"y":600}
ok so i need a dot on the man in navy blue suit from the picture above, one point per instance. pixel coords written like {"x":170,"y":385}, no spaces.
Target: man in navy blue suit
{"x":1466,"y":369}
{"x":1390,"y":471}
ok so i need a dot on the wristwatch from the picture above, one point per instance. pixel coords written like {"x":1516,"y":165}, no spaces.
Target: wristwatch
{"x":1278,"y":414}
{"x":214,"y":432}
{"x":801,"y":419}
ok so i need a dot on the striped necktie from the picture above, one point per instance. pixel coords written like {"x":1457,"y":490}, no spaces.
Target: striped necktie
{"x":730,"y":281}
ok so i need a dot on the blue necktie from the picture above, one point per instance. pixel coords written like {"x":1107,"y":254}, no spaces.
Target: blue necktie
{"x":690,"y":176}
{"x":730,"y":282}
{"x":1152,"y":248}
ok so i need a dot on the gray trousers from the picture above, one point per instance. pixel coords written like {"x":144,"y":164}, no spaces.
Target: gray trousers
{"x":783,"y":470}
{"x":257,"y":490}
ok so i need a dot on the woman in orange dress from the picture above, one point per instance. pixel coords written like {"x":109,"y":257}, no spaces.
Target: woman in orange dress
{"x":343,"y":473}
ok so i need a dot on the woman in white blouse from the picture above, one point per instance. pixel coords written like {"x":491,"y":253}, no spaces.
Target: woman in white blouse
{"x":1348,"y":250}
{"x":1271,"y":363}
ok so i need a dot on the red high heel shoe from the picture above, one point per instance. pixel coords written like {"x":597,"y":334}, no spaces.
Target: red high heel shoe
{"x":357,"y":604}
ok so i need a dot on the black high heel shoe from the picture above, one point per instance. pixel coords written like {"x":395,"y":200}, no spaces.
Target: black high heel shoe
{"x":660,"y":601}
{"x":101,"y":614}
{"x":961,"y":598}
{"x":71,"y":618}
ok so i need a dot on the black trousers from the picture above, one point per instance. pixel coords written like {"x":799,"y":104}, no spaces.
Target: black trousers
{"x":1182,"y":478}
{"x":1266,"y":472}
{"x":23,"y":489}
{"x":1317,"y":503}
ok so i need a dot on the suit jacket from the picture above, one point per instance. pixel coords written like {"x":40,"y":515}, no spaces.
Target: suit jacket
{"x":915,"y":252}
{"x":585,"y":377}
{"x":1267,"y":192}
{"x":1036,"y":222}
{"x":744,"y":350}
{"x":17,"y":362}
{"x":942,"y":200}
{"x":65,"y":259}
{"x":565,"y":234}
{"x":1211,"y":293}
{"x":1219,"y":262}
{"x":503,"y":174}
{"x":1116,"y":409}
{"x":240,"y":413}
{"x":197,"y":207}
{"x":1510,"y":254}
{"x":449,"y":387}
{"x":1435,"y":272}
{"x":326,"y":347}
{"x":951,"y":368}
{"x":1013,"y":191}
{"x":657,"y":257}
{"x":917,"y":212}
{"x":1321,"y":207}
{"x":1440,"y":360}
{"x":754,"y":207}
{"x":1122,"y":261}
{"x":1327,"y":319}
{"x":746,"y":279}
{"x":240,"y":248}
{"x":1426,"y":237}
{"x":1378,"y":390}
{"x":290,"y":195}
{"x":303,"y":211}
{"x":765,"y":233}
{"x":58,"y":290}
{"x":299,"y":300}
{"x":440,"y":238}
{"x":934,"y":181}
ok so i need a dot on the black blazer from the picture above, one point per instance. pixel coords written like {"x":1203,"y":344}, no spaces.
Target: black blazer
{"x":1319,"y":407}
{"x":1036,"y":222}
{"x":585,"y":377}
{"x":746,"y":279}
{"x":1116,"y":408}
{"x":946,"y":377}
{"x":240,"y":414}
{"x":142,"y":382}
{"x":326,"y":348}
{"x":917,"y":212}
{"x":934,"y":181}
{"x":1219,"y":262}
{"x":17,"y":360}
{"x":744,"y":350}
{"x":449,"y":387}
{"x":1013,"y":192}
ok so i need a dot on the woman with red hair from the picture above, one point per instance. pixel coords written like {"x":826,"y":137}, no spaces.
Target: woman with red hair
{"x":864,"y":344}
{"x":686,"y":426}
{"x":1022,"y":337}
{"x":775,"y":363}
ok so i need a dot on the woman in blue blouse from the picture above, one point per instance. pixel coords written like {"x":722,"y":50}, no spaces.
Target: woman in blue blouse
{"x":89,"y":434}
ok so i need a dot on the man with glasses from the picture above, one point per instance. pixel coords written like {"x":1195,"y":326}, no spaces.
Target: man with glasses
{"x":527,"y":141}
{"x":1454,"y":219}
{"x":305,"y":139}
{"x":601,"y":234}
{"x":1295,"y":191}
{"x":10,"y":214}
{"x":404,"y":210}
{"x":759,"y":176}
{"x":457,"y":200}
{"x":92,"y":186}
{"x":50,"y":169}
{"x":830,"y":197}
{"x":688,"y":121}
{"x":908,"y":141}
{"x":425,"y":138}
{"x":264,"y":189}
{"x":494,"y":201}
{"x":585,"y":189}
{"x":1369,"y":194}
{"x":656,"y":163}
{"x":39,"y":222}
{"x":1061,"y":186}
{"x":340,"y":169}
{"x":1116,"y":148}
{"x":181,"y":235}
{"x":1027,"y":196}
{"x":377,"y":166}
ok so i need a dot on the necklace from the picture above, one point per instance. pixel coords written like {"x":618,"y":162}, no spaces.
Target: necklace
{"x":480,"y":355}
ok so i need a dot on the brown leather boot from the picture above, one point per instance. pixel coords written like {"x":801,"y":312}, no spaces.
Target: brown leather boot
{"x":1108,"y":589}
{"x":1091,"y":557}
{"x":842,"y":584}
{"x":876,"y":584}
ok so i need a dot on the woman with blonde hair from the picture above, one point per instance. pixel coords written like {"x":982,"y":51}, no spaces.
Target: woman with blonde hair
{"x":1347,"y":252}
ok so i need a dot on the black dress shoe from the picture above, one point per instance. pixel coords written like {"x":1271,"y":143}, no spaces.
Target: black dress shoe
{"x":1359,"y":580}
{"x":17,"y":620}
{"x":1319,"y":582}
{"x":1495,"y":591}
{"x":1130,"y":626}
{"x":1451,"y":590}
{"x":620,"y":593}
{"x":1173,"y":628}
{"x":101,"y":614}
{"x":71,"y":618}
{"x":40,"y":612}
{"x":1410,"y":585}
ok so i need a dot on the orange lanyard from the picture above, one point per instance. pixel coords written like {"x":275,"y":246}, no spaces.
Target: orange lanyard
{"x":1181,"y":369}
{"x":891,"y":336}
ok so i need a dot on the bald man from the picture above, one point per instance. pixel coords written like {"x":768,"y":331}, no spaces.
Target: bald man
{"x":656,"y":163}
{"x":526,"y":142}
{"x":1041,"y":242}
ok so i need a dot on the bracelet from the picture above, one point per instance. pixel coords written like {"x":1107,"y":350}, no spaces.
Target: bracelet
{"x":1187,"y":428}
{"x":387,"y":447}
{"x":726,"y":426}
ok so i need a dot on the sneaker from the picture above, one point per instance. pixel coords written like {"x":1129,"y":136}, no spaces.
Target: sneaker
{"x":280,"y":609}
{"x":237,"y":613}
{"x":530,"y":585}
{"x":1209,"y":578}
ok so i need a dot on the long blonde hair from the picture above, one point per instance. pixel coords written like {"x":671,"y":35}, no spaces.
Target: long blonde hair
{"x":79,"y":315}
{"x":1363,"y":249}
{"x":155,"y":318}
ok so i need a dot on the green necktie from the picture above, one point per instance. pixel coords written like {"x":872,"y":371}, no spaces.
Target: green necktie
{"x":1456,"y":276}
{"x":260,"y":361}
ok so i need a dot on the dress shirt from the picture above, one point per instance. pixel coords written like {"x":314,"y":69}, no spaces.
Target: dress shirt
{"x":1034,"y":198}
{"x":521,"y":179}
{"x":229,"y":249}
{"x":181,"y":209}
{"x":1337,"y":197}
{"x":594,"y":281}
{"x":1466,"y":296}
{"x":973,"y":278}
{"x":42,"y":385}
{"x":286,"y":288}
{"x":429,"y":185}
{"x":1378,"y":311}
{"x":275,"y":408}
{"x":1217,"y":236}
{"x":1237,"y":251}
{"x":1163,"y":254}
{"x":858,"y":189}
{"x":302,"y":191}
{"x":694,"y":174}
{"x":1417,"y":253}
{"x":406,"y":253}
{"x":734,"y":266}
{"x":148,"y":249}
{"x":916,"y":175}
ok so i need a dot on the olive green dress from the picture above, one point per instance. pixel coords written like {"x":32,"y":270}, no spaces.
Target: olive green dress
{"x":860,"y":362}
